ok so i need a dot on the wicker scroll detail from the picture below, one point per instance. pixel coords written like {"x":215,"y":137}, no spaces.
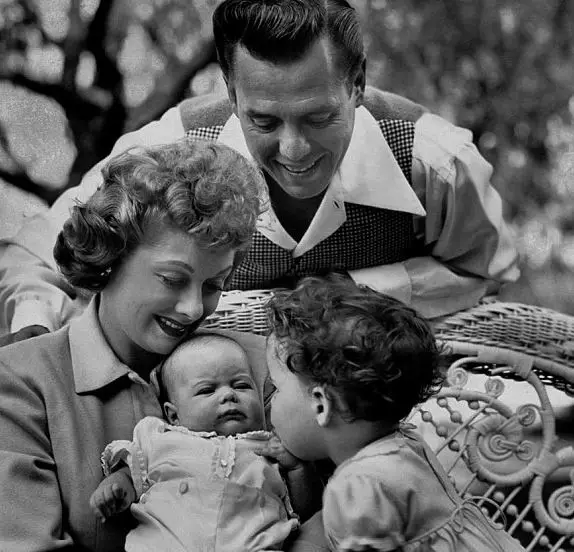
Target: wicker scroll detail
{"x":508,"y":454}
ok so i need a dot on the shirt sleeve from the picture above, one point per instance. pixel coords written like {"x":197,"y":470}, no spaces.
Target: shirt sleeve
{"x":32,"y":291}
{"x":135,"y":454}
{"x":31,"y":518}
{"x":358,"y":515}
{"x":470,"y":248}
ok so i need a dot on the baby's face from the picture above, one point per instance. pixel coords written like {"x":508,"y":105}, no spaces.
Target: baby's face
{"x":220,"y":393}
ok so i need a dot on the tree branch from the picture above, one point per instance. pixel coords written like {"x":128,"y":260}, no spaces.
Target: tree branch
{"x":23,"y":182}
{"x":87,"y":104}
{"x":73,"y":45}
{"x":172,"y":86}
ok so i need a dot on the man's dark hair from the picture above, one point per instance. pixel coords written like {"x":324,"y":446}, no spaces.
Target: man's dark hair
{"x":281,"y":31}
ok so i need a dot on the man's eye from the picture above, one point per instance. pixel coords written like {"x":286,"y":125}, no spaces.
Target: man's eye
{"x":320,"y":120}
{"x":264,"y":124}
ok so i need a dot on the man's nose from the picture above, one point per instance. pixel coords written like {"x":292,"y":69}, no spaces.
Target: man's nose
{"x":190,"y":304}
{"x":293,"y":145}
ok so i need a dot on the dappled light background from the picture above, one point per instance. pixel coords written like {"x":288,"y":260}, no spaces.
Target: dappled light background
{"x":76,"y":74}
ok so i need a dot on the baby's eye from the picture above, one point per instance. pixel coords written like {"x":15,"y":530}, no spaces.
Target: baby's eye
{"x":205,"y":390}
{"x":243,"y":385}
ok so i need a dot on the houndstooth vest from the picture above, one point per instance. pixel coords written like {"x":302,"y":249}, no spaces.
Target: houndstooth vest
{"x":369,"y":237}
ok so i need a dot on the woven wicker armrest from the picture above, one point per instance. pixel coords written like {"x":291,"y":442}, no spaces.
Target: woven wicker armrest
{"x":506,"y":456}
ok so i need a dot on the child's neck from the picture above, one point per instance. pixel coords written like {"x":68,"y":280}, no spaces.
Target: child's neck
{"x":352,"y":437}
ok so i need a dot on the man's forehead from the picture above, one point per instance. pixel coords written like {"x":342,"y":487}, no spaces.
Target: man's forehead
{"x":312,"y":79}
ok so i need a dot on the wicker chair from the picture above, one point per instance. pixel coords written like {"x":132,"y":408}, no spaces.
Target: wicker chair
{"x":494,"y":450}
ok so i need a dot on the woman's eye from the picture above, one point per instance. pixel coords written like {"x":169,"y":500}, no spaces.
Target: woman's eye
{"x":214,"y":287}
{"x":172,"y":282}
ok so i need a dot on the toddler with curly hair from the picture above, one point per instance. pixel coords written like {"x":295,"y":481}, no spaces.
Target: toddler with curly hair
{"x":349,"y":364}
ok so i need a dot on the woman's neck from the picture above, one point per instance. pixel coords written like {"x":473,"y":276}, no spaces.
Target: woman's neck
{"x":139,"y":360}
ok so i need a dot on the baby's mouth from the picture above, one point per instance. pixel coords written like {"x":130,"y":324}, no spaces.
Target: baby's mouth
{"x":229,"y":415}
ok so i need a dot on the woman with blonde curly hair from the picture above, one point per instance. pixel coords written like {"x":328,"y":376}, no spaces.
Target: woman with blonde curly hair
{"x":154,"y":245}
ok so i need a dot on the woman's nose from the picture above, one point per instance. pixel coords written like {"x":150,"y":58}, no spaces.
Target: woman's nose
{"x":191,"y":305}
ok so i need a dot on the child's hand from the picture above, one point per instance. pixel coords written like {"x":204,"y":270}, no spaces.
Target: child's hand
{"x":114,"y":495}
{"x":274,"y":450}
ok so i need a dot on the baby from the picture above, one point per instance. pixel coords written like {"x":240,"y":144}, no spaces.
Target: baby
{"x":348,"y":365}
{"x":198,"y":481}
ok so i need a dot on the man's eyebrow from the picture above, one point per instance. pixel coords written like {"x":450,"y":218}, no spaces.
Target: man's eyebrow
{"x":250,"y":112}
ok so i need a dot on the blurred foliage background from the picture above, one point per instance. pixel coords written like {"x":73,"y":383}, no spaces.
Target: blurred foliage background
{"x":76,"y":74}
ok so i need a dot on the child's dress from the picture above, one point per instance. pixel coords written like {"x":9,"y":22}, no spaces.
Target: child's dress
{"x":199,"y":491}
{"x":394,"y":495}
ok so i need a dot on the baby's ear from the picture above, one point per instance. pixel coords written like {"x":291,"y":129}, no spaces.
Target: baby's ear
{"x":322,"y":405}
{"x":170,"y":413}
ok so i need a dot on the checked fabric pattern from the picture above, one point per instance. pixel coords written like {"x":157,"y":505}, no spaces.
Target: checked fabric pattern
{"x":369,"y":237}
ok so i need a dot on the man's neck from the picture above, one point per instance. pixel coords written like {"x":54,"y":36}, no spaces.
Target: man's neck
{"x":295,"y":215}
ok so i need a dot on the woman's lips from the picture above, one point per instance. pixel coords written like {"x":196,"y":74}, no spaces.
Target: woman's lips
{"x":172,"y":328}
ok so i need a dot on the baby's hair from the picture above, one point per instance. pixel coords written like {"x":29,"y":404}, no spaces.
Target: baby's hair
{"x":204,"y":188}
{"x":375,"y":353}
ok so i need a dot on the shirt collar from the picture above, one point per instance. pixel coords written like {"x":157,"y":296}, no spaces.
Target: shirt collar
{"x":364,"y":178}
{"x":94,"y":363}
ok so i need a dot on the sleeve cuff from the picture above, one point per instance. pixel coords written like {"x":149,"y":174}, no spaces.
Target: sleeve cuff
{"x":392,"y":279}
{"x":32,"y":312}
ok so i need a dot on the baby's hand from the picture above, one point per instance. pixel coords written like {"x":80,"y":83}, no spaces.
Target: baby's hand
{"x":274,"y":450}
{"x":114,"y":495}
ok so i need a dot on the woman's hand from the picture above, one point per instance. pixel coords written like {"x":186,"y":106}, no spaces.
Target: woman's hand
{"x":274,"y":450}
{"x":114,"y":495}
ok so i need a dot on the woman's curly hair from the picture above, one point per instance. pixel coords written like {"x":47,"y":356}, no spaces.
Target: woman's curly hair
{"x":204,"y":188}
{"x":375,"y":353}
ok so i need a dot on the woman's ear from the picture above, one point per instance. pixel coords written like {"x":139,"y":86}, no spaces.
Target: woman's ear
{"x":170,"y":413}
{"x":322,"y":405}
{"x":360,"y":83}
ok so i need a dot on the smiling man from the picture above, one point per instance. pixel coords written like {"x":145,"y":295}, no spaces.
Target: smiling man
{"x":359,"y":181}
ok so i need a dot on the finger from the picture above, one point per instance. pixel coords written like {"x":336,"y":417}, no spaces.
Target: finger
{"x":118,"y":492}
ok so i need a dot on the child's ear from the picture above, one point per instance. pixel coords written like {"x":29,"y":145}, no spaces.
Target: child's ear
{"x":322,"y":405}
{"x":170,"y":412}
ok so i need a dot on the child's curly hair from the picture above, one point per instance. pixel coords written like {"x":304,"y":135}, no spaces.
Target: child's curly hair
{"x":378,"y":355}
{"x":204,"y":188}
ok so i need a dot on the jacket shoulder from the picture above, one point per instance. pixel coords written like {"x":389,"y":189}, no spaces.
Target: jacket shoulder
{"x":386,"y":105}
{"x":205,"y":111}
{"x":45,"y":354}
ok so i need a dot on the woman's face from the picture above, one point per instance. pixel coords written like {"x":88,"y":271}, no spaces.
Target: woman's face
{"x":160,"y":294}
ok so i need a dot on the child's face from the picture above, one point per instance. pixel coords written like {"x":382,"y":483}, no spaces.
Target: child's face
{"x":220,"y":393}
{"x":293,"y":413}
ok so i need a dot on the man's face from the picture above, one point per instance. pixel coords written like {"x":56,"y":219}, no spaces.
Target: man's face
{"x":297,"y":117}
